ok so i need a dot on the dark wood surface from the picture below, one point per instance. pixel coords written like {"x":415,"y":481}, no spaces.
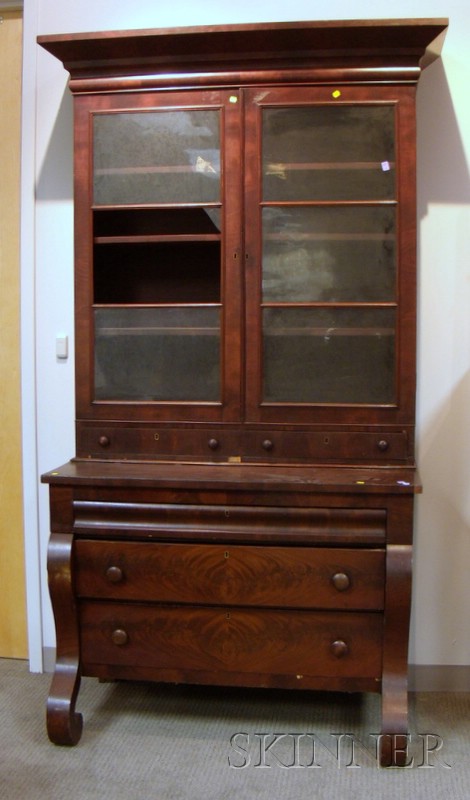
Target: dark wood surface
{"x":259,"y":477}
{"x":189,"y":640}
{"x":242,"y":575}
{"x":170,"y":49}
{"x":313,"y":595}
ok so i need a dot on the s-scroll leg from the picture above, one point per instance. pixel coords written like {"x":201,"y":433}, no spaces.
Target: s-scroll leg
{"x":64,"y":724}
{"x":394,"y":740}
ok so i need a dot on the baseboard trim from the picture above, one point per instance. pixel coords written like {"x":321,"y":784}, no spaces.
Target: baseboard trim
{"x":48,"y":659}
{"x":421,"y":677}
{"x":439,"y":678}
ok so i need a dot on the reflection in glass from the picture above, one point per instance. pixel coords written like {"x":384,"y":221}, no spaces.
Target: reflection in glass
{"x":329,"y":355}
{"x":334,"y":254}
{"x":170,"y":354}
{"x":335,"y":152}
{"x":157,"y":157}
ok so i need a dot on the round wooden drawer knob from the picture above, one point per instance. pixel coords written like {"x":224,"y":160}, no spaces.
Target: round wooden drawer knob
{"x":214,"y":444}
{"x":104,"y":441}
{"x":114,"y":574}
{"x":268,"y":445}
{"x":339,"y":648}
{"x":119,"y":637}
{"x":341,"y":581}
{"x":383,"y":445}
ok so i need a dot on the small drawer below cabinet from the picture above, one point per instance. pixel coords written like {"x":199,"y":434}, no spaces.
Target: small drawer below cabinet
{"x":176,"y":643}
{"x":152,"y":442}
{"x":239,"y":575}
{"x":327,"y":446}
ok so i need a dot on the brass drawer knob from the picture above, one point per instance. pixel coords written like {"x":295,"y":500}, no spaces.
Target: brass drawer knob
{"x":114,"y":574}
{"x":104,"y":441}
{"x":383,"y":445}
{"x":119,"y":637}
{"x":341,"y":581}
{"x":339,"y":648}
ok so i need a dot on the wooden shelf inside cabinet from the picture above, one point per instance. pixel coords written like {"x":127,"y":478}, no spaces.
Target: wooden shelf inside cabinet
{"x":307,"y":237}
{"x":156,"y":238}
{"x":151,"y":169}
{"x":156,"y":331}
{"x":327,"y":332}
{"x":278,"y":169}
{"x":240,"y":510}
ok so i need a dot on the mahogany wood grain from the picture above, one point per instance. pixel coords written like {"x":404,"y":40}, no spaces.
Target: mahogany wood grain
{"x":189,"y":639}
{"x":228,"y":522}
{"x":237,"y":48}
{"x":393,"y":744}
{"x":312,"y":479}
{"x":321,"y":683}
{"x":151,"y":442}
{"x":64,"y":724}
{"x":301,"y":577}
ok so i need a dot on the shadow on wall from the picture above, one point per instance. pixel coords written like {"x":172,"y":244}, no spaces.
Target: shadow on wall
{"x":442,"y":538}
{"x":55,"y":181}
{"x":443,"y":174}
{"x":442,"y":551}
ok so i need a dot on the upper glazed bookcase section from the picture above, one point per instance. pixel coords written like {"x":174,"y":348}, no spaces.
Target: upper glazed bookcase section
{"x":359,"y":50}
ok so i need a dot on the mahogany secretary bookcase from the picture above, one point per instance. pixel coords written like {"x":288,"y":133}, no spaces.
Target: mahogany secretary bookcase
{"x":239,"y":509}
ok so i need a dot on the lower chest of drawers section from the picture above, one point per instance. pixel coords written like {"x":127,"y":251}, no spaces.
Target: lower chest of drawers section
{"x":229,"y":614}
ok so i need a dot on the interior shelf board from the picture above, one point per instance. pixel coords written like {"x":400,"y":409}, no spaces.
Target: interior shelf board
{"x":155,"y":238}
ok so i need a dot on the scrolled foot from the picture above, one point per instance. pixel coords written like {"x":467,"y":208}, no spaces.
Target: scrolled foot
{"x":64,"y":724}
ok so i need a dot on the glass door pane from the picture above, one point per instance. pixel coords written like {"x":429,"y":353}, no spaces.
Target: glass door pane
{"x":158,"y":223}
{"x":328,"y":246}
{"x":339,"y":152}
{"x":329,"y":355}
{"x":164,"y":354}
{"x":329,"y":254}
{"x":157,"y":157}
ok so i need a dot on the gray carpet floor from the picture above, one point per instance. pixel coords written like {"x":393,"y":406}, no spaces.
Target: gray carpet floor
{"x":153,"y":742}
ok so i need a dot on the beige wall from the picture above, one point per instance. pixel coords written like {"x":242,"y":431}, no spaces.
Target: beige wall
{"x":12,"y":580}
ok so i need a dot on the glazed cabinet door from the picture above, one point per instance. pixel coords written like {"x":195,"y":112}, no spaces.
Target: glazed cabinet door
{"x":330,"y":271}
{"x":158,"y":230}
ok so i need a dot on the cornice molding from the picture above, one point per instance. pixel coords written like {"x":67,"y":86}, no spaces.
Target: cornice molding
{"x":369,"y":50}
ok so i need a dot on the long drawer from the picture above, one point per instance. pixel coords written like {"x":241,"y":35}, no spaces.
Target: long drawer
{"x":228,"y":523}
{"x":219,"y":444}
{"x":288,"y":577}
{"x":186,"y":640}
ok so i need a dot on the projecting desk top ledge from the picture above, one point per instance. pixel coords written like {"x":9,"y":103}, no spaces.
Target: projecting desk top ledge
{"x":262,"y":477}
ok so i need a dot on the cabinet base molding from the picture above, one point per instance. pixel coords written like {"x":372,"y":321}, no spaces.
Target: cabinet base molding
{"x":421,"y":677}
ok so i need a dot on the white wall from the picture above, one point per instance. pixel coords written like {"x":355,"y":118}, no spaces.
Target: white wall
{"x":441,"y":605}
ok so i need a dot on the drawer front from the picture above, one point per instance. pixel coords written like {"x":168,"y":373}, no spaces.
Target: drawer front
{"x":267,"y":642}
{"x":247,"y":523}
{"x":290,"y":577}
{"x":150,"y":442}
{"x":327,"y":446}
{"x":223,"y":444}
